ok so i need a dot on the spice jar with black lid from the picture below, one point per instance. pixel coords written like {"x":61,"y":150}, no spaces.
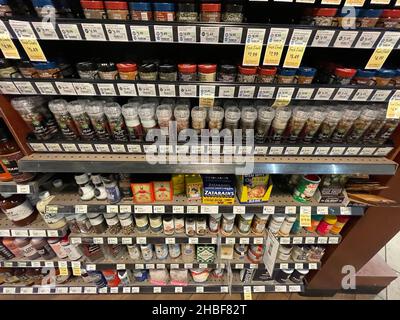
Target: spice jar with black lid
{"x":227,"y":73}
{"x":283,"y":275}
{"x":233,"y":11}
{"x":148,"y":71}
{"x":87,"y":70}
{"x":298,"y":275}
{"x":98,"y":222}
{"x":167,"y":72}
{"x":108,"y":70}
{"x":186,"y":11}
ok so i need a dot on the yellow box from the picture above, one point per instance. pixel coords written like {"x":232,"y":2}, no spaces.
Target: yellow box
{"x":253,"y":188}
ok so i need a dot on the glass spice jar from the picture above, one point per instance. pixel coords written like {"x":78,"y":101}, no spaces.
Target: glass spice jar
{"x":132,"y":121}
{"x":71,"y":222}
{"x":305,"y":75}
{"x":316,"y":116}
{"x":167,"y":72}
{"x":127,"y":70}
{"x":327,"y":127}
{"x":232,"y":117}
{"x":368,"y":18}
{"x":141,"y":11}
{"x":164,"y":11}
{"x":116,"y":121}
{"x":18,"y":209}
{"x":266,"y":74}
{"x":232,"y":12}
{"x":259,"y":223}
{"x":98,"y":119}
{"x":187,"y":72}
{"x":324,"y":17}
{"x":387,"y":130}
{"x":86,"y":188}
{"x":164,"y":116}
{"x":247,"y":74}
{"x":201,"y":225}
{"x":364,"y":77}
{"x":345,"y":124}
{"x":342,"y":76}
{"x":179,"y":223}
{"x":385,"y":77}
{"x":282,"y":116}
{"x":168,"y":224}
{"x":59,"y":108}
{"x":296,"y":123}
{"x":284,"y":252}
{"x":263,"y":123}
{"x":210,"y":12}
{"x":117,"y":10}
{"x":156,"y":223}
{"x":317,"y":252}
{"x":187,"y":11}
{"x":94,"y":9}
{"x":190,"y":226}
{"x":98,"y":223}
{"x":275,"y":224}
{"x":142,"y":222}
{"x":199,"y":116}
{"x":148,"y":71}
{"x":228,"y":224}
{"x":87,"y":70}
{"x":244,"y":223}
{"x":214,"y":221}
{"x":286,"y":226}
{"x":286,"y":76}
{"x":147,"y":114}
{"x":83,"y":223}
{"x":215,"y":118}
{"x":108,"y":71}
{"x":389,"y":19}
{"x":227,"y":73}
{"x":182,"y":115}
{"x":127,"y":224}
{"x":361,"y":124}
{"x":47,"y":70}
{"x":376,"y":125}
{"x":207,"y":72}
{"x":299,"y":253}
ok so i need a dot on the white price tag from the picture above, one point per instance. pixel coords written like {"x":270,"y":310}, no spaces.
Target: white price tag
{"x":81,"y":208}
{"x":266,"y":92}
{"x":163,"y":34}
{"x":268,"y":210}
{"x":98,"y":240}
{"x":126,"y":290}
{"x":379,"y":95}
{"x":304,"y":93}
{"x":367,"y":151}
{"x":280,"y":288}
{"x":53,"y":147}
{"x":239,"y":209}
{"x":276,"y":151}
{"x":192,"y":209}
{"x":106,"y":89}
{"x":66,"y":88}
{"x":44,"y":290}
{"x":187,"y":34}
{"x":84,"y":89}
{"x":226,"y":92}
{"x":324,"y":93}
{"x":178,"y":289}
{"x":178,"y":209}
{"x":297,"y":240}
{"x":126,"y":241}
{"x":150,"y":266}
{"x":322,"y":210}
{"x":323,"y":38}
{"x":69,"y":31}
{"x":209,"y":34}
{"x":146,"y":90}
{"x":116,"y":32}
{"x":322,"y":240}
{"x":141,"y":240}
{"x":25,"y":87}
{"x":345,"y":39}
{"x":290,"y":210}
{"x":257,"y":289}
{"x":299,"y":266}
{"x":309,"y":240}
{"x":23,"y":189}
{"x":38,"y":233}
{"x":337,"y":151}
{"x":307,"y":151}
{"x":291,"y":151}
{"x":367,"y":40}
{"x":199,"y":289}
{"x":203,"y":265}
{"x":188,"y":91}
{"x":112,"y":209}
{"x":313,"y":266}
{"x":261,"y":151}
{"x":170,"y":240}
{"x":352,"y":151}
{"x":90,"y":267}
{"x":46,"y":88}
{"x":9,"y":290}
{"x":140,"y":33}
{"x":134,"y":148}
{"x":127,"y":89}
{"x":75,"y":290}
{"x":19,"y":233}
{"x":93,"y":31}
{"x":345,"y":211}
{"x":112,"y":240}
{"x":209,"y":209}
{"x":233,"y":35}
{"x":294,"y":289}
{"x":244,"y":240}
{"x":27,"y":290}
{"x":239,"y":266}
{"x":174,"y":265}
{"x":343,"y":94}
{"x":246,"y":92}
{"x":322,"y":151}
{"x":167,"y":90}
{"x":114,"y":290}
{"x":159,"y":209}
{"x":22,"y":29}
{"x":230,"y":240}
{"x":362,"y":94}
{"x":69,"y":147}
{"x":224,"y":289}
{"x":5,"y":233}
{"x":383,"y":151}
{"x":193,"y":240}
{"x":139,"y":266}
{"x":63,"y":290}
{"x":103,"y":290}
{"x":121,"y":266}
{"x":45,"y":30}
{"x":283,"y":266}
{"x":143,"y":209}
{"x":74,"y":240}
{"x":157,"y":290}
{"x":38,"y":147}
{"x":118,"y":148}
{"x":258,"y":240}
{"x":188,"y":265}
{"x":284,"y":240}
{"x":253,"y":266}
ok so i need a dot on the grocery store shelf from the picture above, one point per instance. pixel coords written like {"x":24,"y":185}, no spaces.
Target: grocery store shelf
{"x":79,"y":87}
{"x":58,"y":162}
{"x":279,"y":203}
{"x":305,"y":237}
{"x":38,"y":228}
{"x":25,"y":188}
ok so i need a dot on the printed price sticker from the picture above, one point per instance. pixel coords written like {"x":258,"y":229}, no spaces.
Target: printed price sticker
{"x":265,"y":92}
{"x":66,"y":88}
{"x":224,"y":289}
{"x":19,"y":233}
{"x":93,"y":31}
{"x":290,"y":210}
{"x":90,"y":290}
{"x":284,"y":266}
{"x":188,"y":265}
{"x":75,"y":290}
{"x":193,"y":240}
{"x":112,"y":240}
{"x":7,"y":46}
{"x":178,"y":209}
{"x":299,"y":266}
{"x":209,"y":34}
{"x":70,"y":31}
{"x":112,"y":209}
{"x":297,"y":46}
{"x":322,"y":151}
{"x":192,"y":209}
{"x":322,"y":210}
{"x":106,"y":89}
{"x":239,"y":209}
{"x":167,"y":90}
{"x":379,"y":95}
{"x":309,"y":240}
{"x":305,"y":216}
{"x":178,"y":289}
{"x":9,"y":290}
{"x":367,"y":40}
{"x":283,"y":97}
{"x":261,"y":151}
{"x":38,"y":233}
{"x":367,"y":151}
{"x":23,"y":189}
{"x":268,"y":209}
{"x":226,"y":92}
{"x":46,"y":88}
{"x":74,"y":240}
{"x":126,"y":241}
{"x":62,"y":290}
{"x":81,"y":208}
{"x":121,"y":266}
{"x":146,"y":90}
{"x":53,"y":147}
{"x":116,"y":32}
{"x":90,"y":267}
{"x":188,"y":91}
{"x":254,"y":43}
{"x":322,"y":38}
{"x":102,"y":148}
{"x":163,"y":34}
{"x":170,"y":240}
{"x":141,"y":240}
{"x":276,"y":43}
{"x":246,"y":92}
{"x":26,"y":290}
{"x":280,"y":288}
{"x":134,"y":148}
{"x":307,"y":151}
{"x":244,"y":240}
{"x":324,"y":93}
{"x":291,"y":150}
{"x":233,"y":35}
{"x":199,"y":289}
{"x":258,"y":289}
{"x":313,"y":266}
{"x":25,"y":87}
{"x":118,"y":148}
{"x":343,"y":94}
{"x":5,"y":233}
{"x":127,"y":89}
{"x":284,"y":240}
{"x":322,"y":240}
{"x":45,"y":30}
{"x":8,"y":87}
{"x":304,"y":93}
{"x":140,"y":33}
{"x":345,"y":39}
{"x":354,"y":3}
{"x":22,"y":29}
{"x":174,"y":265}
{"x":230,"y":240}
{"x":362,"y":94}
{"x":247,"y":293}
{"x":297,"y":240}
{"x":333,"y":240}
{"x":98,"y":240}
{"x":383,"y":151}
{"x":84,"y":89}
{"x":393,"y":109}
{"x":382,"y":51}
{"x":258,"y":240}
{"x":187,"y":34}
{"x":76,"y":268}
{"x":294,"y":289}
{"x":352,"y":151}
{"x":206,"y":96}
{"x":345,"y":211}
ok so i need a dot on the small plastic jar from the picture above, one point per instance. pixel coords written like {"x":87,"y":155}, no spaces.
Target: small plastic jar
{"x":275,"y":224}
{"x":87,"y":70}
{"x":147,"y":116}
{"x":232,"y":117}
{"x":389,"y":19}
{"x":286,"y":226}
{"x":215,"y":118}
{"x":244,"y":223}
{"x":345,"y":124}
{"x":361,"y":124}
{"x":323,"y":17}
{"x":248,"y":118}
{"x":167,"y":72}
{"x":368,"y":18}
{"x":187,"y":11}
{"x":315,"y":220}
{"x":284,"y":252}
{"x":266,"y":74}
{"x":247,"y":74}
{"x":46,"y":70}
{"x":326,"y":225}
{"x":94,"y":9}
{"x":117,"y":10}
{"x":232,"y":12}
{"x":127,"y":224}
{"x":263,"y":123}
{"x":343,"y":76}
{"x":148,"y":71}
{"x":259,"y":223}
{"x":364,"y":77}
{"x":329,"y":124}
{"x":385,"y":77}
{"x":164,"y":11}
{"x":286,"y":76}
{"x":108,"y":71}
{"x":340,"y":223}
{"x":141,"y":11}
{"x":227,"y":73}
{"x":210,"y":12}
{"x":296,"y":124}
{"x":187,"y":72}
{"x":305,"y":75}
{"x":98,"y":223}
{"x":182,"y":115}
{"x":214,"y":222}
{"x":199,"y":117}
{"x":228,"y":223}
{"x":127,"y":70}
{"x":207,"y":72}
{"x":164,"y":116}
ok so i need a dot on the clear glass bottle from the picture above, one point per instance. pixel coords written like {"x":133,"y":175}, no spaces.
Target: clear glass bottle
{"x":349,"y":115}
{"x":132,"y":121}
{"x":313,"y":123}
{"x":232,"y":117}
{"x":95,"y":110}
{"x":361,"y":124}
{"x":297,"y":122}
{"x":199,"y":116}
{"x":215,"y":118}
{"x":329,"y":124}
{"x":279,"y":123}
{"x":116,"y":121}
{"x":147,"y":116}
{"x":59,"y":108}
{"x":263,"y":123}
{"x":164,"y":116}
{"x":77,"y":109}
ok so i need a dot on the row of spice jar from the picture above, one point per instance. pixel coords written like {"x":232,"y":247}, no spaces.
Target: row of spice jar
{"x":300,"y":253}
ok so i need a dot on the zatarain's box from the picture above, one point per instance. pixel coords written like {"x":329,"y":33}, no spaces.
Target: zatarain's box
{"x":218,"y":189}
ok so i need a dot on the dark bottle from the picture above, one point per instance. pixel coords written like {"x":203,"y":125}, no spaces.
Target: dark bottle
{"x":18,"y":209}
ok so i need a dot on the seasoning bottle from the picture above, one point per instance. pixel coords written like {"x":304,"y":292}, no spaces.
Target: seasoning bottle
{"x":5,"y":9}
{"x":59,"y":108}
{"x":296,"y":123}
{"x":164,"y":116}
{"x":329,"y":124}
{"x":53,"y":220}
{"x":259,"y":223}
{"x":113,"y":224}
{"x":148,"y":71}
{"x":228,"y":223}
{"x":127,"y":70}
{"x":116,"y":121}
{"x":5,"y":253}
{"x":94,"y":9}
{"x":186,"y":11}
{"x":7,"y":70}
{"x":190,"y":226}
{"x":107,"y":71}
{"x":244,"y":223}
{"x":266,"y":74}
{"x":134,"y":251}
{"x":344,"y":125}
{"x":342,"y":76}
{"x":127,"y":224}
{"x":83,"y":223}
{"x":187,"y":72}
{"x":71,"y":249}
{"x":283,"y":275}
{"x":210,"y":12}
{"x":199,"y":116}
{"x":112,"y":188}
{"x":326,"y":225}
{"x":167,"y":72}
{"x":286,"y":76}
{"x":164,"y":11}
{"x":305,"y":75}
{"x":232,"y":12}
{"x":361,"y":124}
{"x":87,"y":70}
{"x":286,"y":226}
{"x":214,"y":221}
{"x":316,"y":116}
{"x":284,"y":252}
{"x":263,"y":124}
{"x":81,"y":119}
{"x":384,"y":77}
{"x":147,"y":116}
{"x":98,"y":119}
{"x":201,"y":225}
{"x":364,"y":77}
{"x":232,"y":117}
{"x":387,"y":130}
{"x":86,"y":188}
{"x":117,"y":10}
{"x":10,"y":244}
{"x":168,"y":224}
{"x":376,"y":125}
{"x":17,"y":209}
{"x":248,"y":118}
{"x":156,"y":223}
{"x":340,"y":223}
{"x":147,"y":251}
{"x":142,"y":222}
{"x":27,"y":250}
{"x":207,"y":72}
{"x":282,"y":116}
{"x":174,"y":250}
{"x":389,"y":19}
{"x":99,"y":189}
{"x":247,"y":74}
{"x":275,"y":224}
{"x":43,"y":248}
{"x":98,"y":223}
{"x":299,"y":253}
{"x":215,"y":118}
{"x":27,"y":70}
{"x":71,"y":222}
{"x":227,"y":73}
{"x":182,"y":115}
{"x":141,"y":11}
{"x":134,"y":127}
{"x":323,"y":17}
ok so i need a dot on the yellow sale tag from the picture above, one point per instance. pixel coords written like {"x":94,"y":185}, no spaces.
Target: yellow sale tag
{"x":8,"y":48}
{"x":76,"y":271}
{"x":281,"y":102}
{"x":393,"y":109}
{"x":206,"y":102}
{"x":378,"y":58}
{"x":354,"y":3}
{"x":273,"y":54}
{"x":63,"y":271}
{"x":294,"y":56}
{"x":380,"y":1}
{"x":283,"y":97}
{"x":33,"y":49}
{"x":397,"y":3}
{"x":331,"y":1}
{"x":305,"y":219}
{"x":252,"y":54}
{"x":248,"y":296}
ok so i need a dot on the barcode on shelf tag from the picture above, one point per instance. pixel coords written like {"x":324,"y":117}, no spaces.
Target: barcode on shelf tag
{"x":143,"y":209}
{"x":323,"y":38}
{"x":233,"y":35}
{"x":178,"y":289}
{"x":345,"y":39}
{"x":25,"y":87}
{"x":380,"y":95}
{"x":157,"y":290}
{"x":116,"y":32}
{"x":98,"y":240}
{"x":333,"y":240}
{"x":141,"y":240}
{"x":280,"y":289}
{"x":187,"y":34}
{"x":170,"y":240}
{"x":276,"y":43}
{"x":230,"y":240}
{"x":244,"y":241}
{"x":106,"y":89}
{"x":309,"y":240}
{"x":193,"y":240}
{"x":140,"y":33}
{"x":93,"y":31}
{"x":258,"y":240}
{"x":283,"y":266}
{"x":19,"y":233}
{"x":209,"y":34}
{"x":81,"y":208}
{"x":367,"y":40}
{"x":209,"y":209}
{"x":90,"y":290}
{"x":297,"y":240}
{"x":112,"y":240}
{"x":199,"y":289}
{"x":297,"y":46}
{"x":284,"y":240}
{"x":69,"y":31}
{"x":163,"y":34}
{"x":345,"y":211}
{"x":188,"y":265}
{"x":294,"y":289}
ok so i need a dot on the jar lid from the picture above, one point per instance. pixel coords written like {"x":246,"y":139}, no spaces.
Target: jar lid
{"x":130,"y":110}
{"x":116,"y":5}
{"x":207,"y":68}
{"x":198,"y":112}
{"x":182,"y":112}
{"x":232,"y":113}
{"x":148,"y":67}
{"x":167,"y":68}
{"x":287,"y":271}
{"x":44,"y":65}
{"x":164,"y":111}
{"x":216,"y":113}
{"x":345,"y":72}
{"x":140,"y":6}
{"x":82,"y":179}
{"x":228,"y":216}
{"x":306,"y":72}
{"x":164,"y":6}
{"x":187,"y":68}
{"x":86,"y":66}
{"x":390,"y":13}
{"x":58,"y":105}
{"x":247,"y":70}
{"x":365,"y":73}
{"x":266,"y":113}
{"x":267,"y":71}
{"x":210,"y":7}
{"x":233,"y":7}
{"x":249,"y":114}
{"x":95,"y":107}
{"x":287,"y":72}
{"x":385,"y":73}
{"x":325,"y":12}
{"x":317,"y":217}
{"x":187,"y":7}
{"x":227,"y":68}
{"x":107,"y":66}
{"x":331,"y":219}
{"x":302,"y":271}
{"x":92,"y":4}
{"x":283,"y":112}
{"x":370,"y":13}
{"x":127,"y":67}
{"x":112,"y":109}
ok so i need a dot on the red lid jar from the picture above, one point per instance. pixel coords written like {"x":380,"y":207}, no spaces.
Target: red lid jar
{"x":94,"y":9}
{"x":210,"y":12}
{"x":117,"y":10}
{"x":187,"y":72}
{"x":127,"y":70}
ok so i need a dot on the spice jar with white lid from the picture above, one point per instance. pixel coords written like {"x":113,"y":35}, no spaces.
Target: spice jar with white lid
{"x":282,"y":116}
{"x":284,"y":252}
{"x":228,"y":223}
{"x":215,"y":118}
{"x":132,"y":121}
{"x":142,"y":222}
{"x":134,"y":251}
{"x":156,"y":223}
{"x":275,"y":224}
{"x":182,"y":115}
{"x":263,"y":123}
{"x":201,"y":225}
{"x":161,"y":251}
{"x":71,"y":249}
{"x":248,"y":118}
{"x":53,"y":220}
{"x":86,"y":188}
{"x":190,"y":226}
{"x":96,"y":112}
{"x":164,"y":116}
{"x":147,"y":251}
{"x":127,"y":224}
{"x":244,"y":223}
{"x":116,"y":121}
{"x":286,"y":226}
{"x":147,"y":116}
{"x":259,"y":223}
{"x":199,"y":116}
{"x":100,"y":191}
{"x":179,"y":223}
{"x":55,"y":244}
{"x":232,"y":117}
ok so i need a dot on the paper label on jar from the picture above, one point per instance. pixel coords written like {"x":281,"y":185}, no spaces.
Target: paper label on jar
{"x":276,"y":43}
{"x":297,"y":46}
{"x":20,"y":212}
{"x":382,"y":51}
